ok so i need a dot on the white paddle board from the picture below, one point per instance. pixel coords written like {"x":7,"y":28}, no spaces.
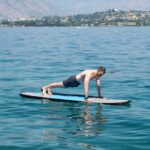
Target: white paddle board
{"x":74,"y":98}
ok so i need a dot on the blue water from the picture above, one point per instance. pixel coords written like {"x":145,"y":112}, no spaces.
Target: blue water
{"x":33,"y":57}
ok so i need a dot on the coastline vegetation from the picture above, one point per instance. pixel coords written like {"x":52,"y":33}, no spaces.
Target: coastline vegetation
{"x":112,"y":17}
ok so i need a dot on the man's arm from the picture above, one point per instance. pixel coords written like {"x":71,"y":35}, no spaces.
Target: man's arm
{"x":86,"y":86}
{"x":98,"y":87}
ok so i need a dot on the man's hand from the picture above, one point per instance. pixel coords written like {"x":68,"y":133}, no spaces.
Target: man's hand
{"x":101,"y":96}
{"x":86,"y":98}
{"x":89,"y":100}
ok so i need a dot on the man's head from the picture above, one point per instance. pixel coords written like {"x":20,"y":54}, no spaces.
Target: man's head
{"x":101,"y":70}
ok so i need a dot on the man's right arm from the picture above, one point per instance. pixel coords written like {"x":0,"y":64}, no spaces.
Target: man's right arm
{"x":86,"y":86}
{"x":98,"y":87}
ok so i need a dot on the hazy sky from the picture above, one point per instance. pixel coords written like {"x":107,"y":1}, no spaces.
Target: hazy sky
{"x":100,"y":5}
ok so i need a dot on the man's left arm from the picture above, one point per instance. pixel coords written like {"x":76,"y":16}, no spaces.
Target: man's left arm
{"x":98,"y":87}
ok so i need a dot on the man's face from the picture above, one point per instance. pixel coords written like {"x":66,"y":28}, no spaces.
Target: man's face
{"x":100,"y":73}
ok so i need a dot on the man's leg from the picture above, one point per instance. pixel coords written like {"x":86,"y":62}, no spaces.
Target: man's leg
{"x":50,"y":86}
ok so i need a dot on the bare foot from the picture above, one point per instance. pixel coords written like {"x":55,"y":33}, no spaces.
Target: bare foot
{"x":44,"y":90}
{"x":49,"y":91}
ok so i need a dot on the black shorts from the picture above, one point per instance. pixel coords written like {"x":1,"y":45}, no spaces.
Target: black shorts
{"x":71,"y":82}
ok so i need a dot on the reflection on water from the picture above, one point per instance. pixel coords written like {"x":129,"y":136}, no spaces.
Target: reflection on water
{"x":71,"y":123}
{"x":93,"y":121}
{"x":33,"y":57}
{"x":86,"y":120}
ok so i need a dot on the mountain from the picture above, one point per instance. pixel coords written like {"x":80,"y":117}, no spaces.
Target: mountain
{"x":12,"y":9}
{"x":90,"y":6}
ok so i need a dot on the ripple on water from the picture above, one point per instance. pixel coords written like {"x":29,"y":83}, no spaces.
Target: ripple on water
{"x":33,"y":57}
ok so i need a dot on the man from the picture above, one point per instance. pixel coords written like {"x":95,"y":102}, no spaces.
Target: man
{"x":76,"y":80}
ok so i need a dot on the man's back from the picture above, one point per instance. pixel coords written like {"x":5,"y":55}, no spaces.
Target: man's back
{"x":91,"y":74}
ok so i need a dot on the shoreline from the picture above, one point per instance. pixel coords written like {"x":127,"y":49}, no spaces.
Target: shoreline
{"x":75,"y":26}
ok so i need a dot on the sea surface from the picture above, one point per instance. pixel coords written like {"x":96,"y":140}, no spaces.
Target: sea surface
{"x":32,"y":57}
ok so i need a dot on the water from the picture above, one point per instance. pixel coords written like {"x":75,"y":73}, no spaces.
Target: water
{"x":33,"y":57}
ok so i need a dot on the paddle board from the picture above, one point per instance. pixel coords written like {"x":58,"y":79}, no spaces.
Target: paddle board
{"x":74,"y":98}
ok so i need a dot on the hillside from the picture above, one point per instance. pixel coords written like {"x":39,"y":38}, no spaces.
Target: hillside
{"x":72,"y":7}
{"x":107,"y":18}
{"x":12,"y":9}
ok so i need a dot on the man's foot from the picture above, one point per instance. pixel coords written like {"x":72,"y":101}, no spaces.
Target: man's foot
{"x":44,"y":90}
{"x":49,"y":91}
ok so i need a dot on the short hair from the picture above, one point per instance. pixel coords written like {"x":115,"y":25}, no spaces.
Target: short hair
{"x":102,"y":68}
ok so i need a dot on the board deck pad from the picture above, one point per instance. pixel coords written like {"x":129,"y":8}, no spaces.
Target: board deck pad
{"x":74,"y":98}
